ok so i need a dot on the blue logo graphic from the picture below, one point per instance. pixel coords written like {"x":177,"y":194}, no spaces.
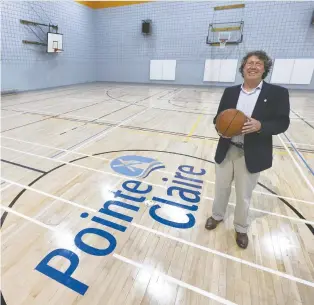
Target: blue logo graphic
{"x":135,"y":166}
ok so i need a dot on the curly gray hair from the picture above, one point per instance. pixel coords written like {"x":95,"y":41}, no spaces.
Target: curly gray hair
{"x":260,"y":55}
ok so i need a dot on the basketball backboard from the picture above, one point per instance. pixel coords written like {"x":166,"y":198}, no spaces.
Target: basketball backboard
{"x":55,"y":43}
{"x":229,"y":32}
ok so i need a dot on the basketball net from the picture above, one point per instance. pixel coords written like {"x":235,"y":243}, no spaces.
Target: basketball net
{"x":222,"y":43}
{"x":223,"y":38}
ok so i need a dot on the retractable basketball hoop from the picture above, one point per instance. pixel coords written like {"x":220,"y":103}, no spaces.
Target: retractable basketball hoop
{"x":227,"y":33}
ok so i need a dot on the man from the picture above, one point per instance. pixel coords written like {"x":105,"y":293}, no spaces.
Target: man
{"x":243,"y":157}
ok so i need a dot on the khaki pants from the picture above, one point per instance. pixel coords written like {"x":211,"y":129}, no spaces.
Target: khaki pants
{"x":233,"y":168}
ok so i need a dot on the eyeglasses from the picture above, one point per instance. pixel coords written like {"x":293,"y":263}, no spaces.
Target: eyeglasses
{"x":257,"y":64}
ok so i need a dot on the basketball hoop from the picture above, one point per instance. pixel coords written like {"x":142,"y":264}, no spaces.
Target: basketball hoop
{"x":223,"y":38}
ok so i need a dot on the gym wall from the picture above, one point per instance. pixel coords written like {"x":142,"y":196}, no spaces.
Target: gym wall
{"x":107,"y":44}
{"x":29,"y":67}
{"x":179,"y":31}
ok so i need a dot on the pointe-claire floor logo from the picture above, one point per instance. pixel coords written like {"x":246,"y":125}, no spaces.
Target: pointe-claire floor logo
{"x":182,"y":194}
{"x":135,"y":166}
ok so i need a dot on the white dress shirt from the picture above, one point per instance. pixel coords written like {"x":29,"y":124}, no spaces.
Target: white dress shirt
{"x":246,"y":103}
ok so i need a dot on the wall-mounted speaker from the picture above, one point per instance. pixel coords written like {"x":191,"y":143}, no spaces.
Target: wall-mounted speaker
{"x":146,"y":27}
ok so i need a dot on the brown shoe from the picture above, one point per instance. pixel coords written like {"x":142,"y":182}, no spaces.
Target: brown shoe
{"x":211,"y":223}
{"x":242,"y":240}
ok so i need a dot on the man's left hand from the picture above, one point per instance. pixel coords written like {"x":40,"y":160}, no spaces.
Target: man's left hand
{"x":251,"y":126}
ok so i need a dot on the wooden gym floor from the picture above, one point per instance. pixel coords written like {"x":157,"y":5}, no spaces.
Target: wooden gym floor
{"x":64,"y":154}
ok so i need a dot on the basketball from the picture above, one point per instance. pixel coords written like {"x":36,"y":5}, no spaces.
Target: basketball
{"x":229,"y":123}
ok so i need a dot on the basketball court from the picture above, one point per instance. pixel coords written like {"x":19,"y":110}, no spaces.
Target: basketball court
{"x":106,"y":188}
{"x":58,"y":162}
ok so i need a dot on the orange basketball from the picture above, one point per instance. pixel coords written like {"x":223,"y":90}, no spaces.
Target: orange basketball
{"x":229,"y":123}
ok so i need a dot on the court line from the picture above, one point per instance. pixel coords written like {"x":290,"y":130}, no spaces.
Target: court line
{"x":21,"y":227}
{"x":279,"y":149}
{"x":151,"y":270}
{"x":301,"y":115}
{"x":271,"y":195}
{"x":300,"y":120}
{"x":53,"y":114}
{"x":177,"y":110}
{"x":76,"y":165}
{"x":110,"y":129}
{"x":30,"y":219}
{"x":23,"y":166}
{"x":298,"y":110}
{"x":13,"y":128}
{"x":27,"y":124}
{"x":111,"y":123}
{"x":204,"y":139}
{"x":5,"y":187}
{"x":297,"y":165}
{"x":49,"y":195}
{"x":132,"y":103}
{"x":99,"y":121}
{"x":85,"y":120}
{"x":270,"y":213}
{"x":78,"y":91}
{"x":304,"y":119}
{"x":193,"y":128}
{"x":68,"y":102}
{"x":175,"y":106}
{"x":62,"y":95}
{"x":300,"y":155}
{"x":54,"y":96}
{"x":203,"y":197}
{"x":42,"y":211}
{"x":180,"y":240}
{"x":52,"y":147}
{"x":162,"y":171}
{"x":156,"y":108}
{"x":230,"y":257}
{"x":26,"y":110}
{"x":62,"y":89}
{"x":101,"y":134}
{"x":297,"y":143}
{"x":107,"y":122}
{"x":171,"y":94}
{"x":11,"y":115}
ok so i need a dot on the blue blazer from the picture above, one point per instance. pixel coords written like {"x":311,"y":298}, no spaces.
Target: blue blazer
{"x":272,"y":109}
